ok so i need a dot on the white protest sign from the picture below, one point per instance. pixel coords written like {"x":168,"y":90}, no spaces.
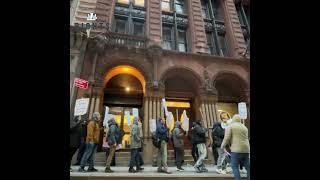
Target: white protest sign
{"x":153,"y":125}
{"x":242,"y":108}
{"x":169,"y":119}
{"x":106,"y":116}
{"x":164,"y":105}
{"x":185,"y":120}
{"x":135,"y":112}
{"x":81,"y":106}
{"x":127,"y":116}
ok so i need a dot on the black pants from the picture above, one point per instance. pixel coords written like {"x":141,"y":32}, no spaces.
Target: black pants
{"x":179,"y":152}
{"x":194,"y":152}
{"x":135,"y":158}
{"x":215,"y":154}
{"x":140,"y":157}
{"x":82,"y":149}
{"x":72,"y":150}
{"x":113,"y":162}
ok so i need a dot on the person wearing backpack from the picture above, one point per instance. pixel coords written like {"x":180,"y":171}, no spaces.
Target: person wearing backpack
{"x":92,"y":140}
{"x":113,"y":140}
{"x":134,"y":146}
{"x":162,"y":134}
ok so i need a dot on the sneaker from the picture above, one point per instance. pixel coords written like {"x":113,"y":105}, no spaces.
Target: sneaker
{"x":92,"y":170}
{"x":131,"y":170}
{"x":197,"y":169}
{"x":167,"y":172}
{"x":204,"y":169}
{"x":140,"y":169}
{"x":180,"y":169}
{"x":223,"y":172}
{"x":81,"y":169}
{"x":70,"y":170}
{"x":219,"y":171}
{"x":243,"y":171}
{"x":108,"y":170}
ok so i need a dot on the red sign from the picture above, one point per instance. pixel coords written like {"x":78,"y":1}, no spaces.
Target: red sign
{"x":80,"y":83}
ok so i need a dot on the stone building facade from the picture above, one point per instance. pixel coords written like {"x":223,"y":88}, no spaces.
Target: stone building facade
{"x":194,"y":51}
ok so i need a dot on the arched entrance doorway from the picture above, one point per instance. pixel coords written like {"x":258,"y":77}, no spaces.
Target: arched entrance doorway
{"x":181,"y":89}
{"x":231,"y":90}
{"x":124,"y":88}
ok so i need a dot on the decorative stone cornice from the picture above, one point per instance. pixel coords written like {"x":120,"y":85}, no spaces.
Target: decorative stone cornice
{"x":154,"y":52}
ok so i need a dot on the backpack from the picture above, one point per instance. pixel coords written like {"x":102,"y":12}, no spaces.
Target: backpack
{"x":156,"y":140}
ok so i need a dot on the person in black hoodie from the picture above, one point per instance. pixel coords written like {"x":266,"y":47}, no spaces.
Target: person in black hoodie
{"x":194,"y":151}
{"x":199,"y":138}
{"x":75,"y":137}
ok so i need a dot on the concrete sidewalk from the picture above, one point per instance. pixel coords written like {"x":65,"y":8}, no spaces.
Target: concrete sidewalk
{"x":149,"y":171}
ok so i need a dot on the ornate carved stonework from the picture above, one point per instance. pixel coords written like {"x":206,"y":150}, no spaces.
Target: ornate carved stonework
{"x":207,"y":88}
{"x":154,"y":52}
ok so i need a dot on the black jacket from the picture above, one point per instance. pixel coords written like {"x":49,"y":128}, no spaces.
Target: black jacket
{"x":162,"y":132}
{"x":75,"y":133}
{"x":217,"y":134}
{"x":198,"y":134}
{"x":113,"y":133}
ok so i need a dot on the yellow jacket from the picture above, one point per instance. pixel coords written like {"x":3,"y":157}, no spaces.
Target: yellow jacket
{"x":93,"y":132}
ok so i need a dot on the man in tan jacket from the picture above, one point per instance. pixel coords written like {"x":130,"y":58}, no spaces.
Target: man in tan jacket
{"x":236,"y":136}
{"x":93,"y":135}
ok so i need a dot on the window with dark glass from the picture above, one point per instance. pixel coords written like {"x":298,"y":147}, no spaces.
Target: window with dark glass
{"x":244,"y":18}
{"x":217,"y":9}
{"x":129,"y":17}
{"x":138,"y":28}
{"x":210,"y":41}
{"x":165,"y":4}
{"x":179,"y":6}
{"x":205,"y":9}
{"x":174,"y":25}
{"x":222,"y":42}
{"x":182,"y":41}
{"x":167,"y":36}
{"x":120,"y":26}
{"x":213,"y":18}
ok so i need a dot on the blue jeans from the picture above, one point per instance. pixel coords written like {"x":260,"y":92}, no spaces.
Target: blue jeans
{"x":89,"y":155}
{"x":236,"y":159}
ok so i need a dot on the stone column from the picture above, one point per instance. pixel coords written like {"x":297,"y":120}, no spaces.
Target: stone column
{"x":149,"y":115}
{"x":145,"y":118}
{"x":154,"y":108}
{"x":208,"y":114}
{"x":158,"y":108}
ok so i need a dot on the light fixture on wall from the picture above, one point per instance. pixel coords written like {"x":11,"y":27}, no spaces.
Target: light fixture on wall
{"x":127,"y":89}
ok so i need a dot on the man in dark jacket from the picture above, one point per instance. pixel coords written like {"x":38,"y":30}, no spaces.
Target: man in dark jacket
{"x":194,"y":151}
{"x":218,"y":135}
{"x":163,"y":134}
{"x":178,"y":134}
{"x":113,"y":140}
{"x":200,"y":140}
{"x":82,"y":146}
{"x":75,"y":137}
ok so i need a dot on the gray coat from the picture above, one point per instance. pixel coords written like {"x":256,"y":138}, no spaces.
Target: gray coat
{"x":135,"y":135}
{"x":178,"y":136}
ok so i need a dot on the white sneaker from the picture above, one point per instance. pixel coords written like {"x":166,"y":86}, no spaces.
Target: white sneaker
{"x":219,"y":171}
{"x":243,"y":171}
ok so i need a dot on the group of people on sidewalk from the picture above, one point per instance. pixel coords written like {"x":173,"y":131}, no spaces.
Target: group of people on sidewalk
{"x":229,"y":137}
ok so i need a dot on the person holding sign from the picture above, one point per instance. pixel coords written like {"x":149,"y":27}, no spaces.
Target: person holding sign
{"x":93,"y":135}
{"x":162,"y":133}
{"x":178,"y":134}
